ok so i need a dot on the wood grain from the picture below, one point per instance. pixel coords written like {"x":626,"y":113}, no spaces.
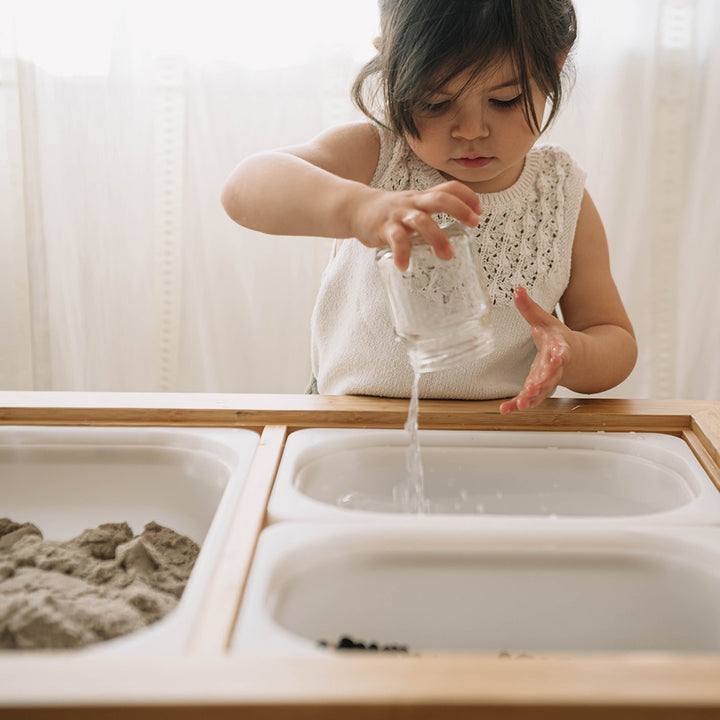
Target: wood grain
{"x":338,"y":411}
{"x":208,"y":681}
{"x":217,"y":616}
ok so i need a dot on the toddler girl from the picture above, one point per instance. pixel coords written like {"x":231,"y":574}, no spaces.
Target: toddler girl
{"x":455,"y":98}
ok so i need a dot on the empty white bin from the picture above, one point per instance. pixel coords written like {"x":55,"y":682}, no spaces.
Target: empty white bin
{"x":440,"y":590}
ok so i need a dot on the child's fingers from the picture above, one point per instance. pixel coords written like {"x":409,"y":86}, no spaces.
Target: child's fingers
{"x":552,"y":349}
{"x":525,"y":400}
{"x":440,"y":200}
{"x":423,"y":223}
{"x":522,"y":401}
{"x":544,"y":377}
{"x":396,"y":236}
{"x":409,"y":212}
{"x":529,"y":309}
{"x":462,"y":192}
{"x":508,"y":406}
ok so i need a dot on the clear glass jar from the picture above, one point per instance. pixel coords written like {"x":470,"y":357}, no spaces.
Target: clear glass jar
{"x":440,"y":308}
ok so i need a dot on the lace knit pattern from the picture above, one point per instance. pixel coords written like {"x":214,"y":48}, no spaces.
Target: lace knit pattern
{"x":517,"y":236}
{"x":524,"y":238}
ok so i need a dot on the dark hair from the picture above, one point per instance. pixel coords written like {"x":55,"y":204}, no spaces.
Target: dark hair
{"x":425,"y":43}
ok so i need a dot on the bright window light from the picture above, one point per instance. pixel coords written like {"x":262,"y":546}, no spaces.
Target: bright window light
{"x":80,"y":37}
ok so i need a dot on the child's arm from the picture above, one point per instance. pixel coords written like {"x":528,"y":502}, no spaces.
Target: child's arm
{"x":321,"y":189}
{"x":595,"y":349}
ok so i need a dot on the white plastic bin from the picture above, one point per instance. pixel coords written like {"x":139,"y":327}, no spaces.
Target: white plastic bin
{"x":67,"y":479}
{"x":495,"y":477}
{"x":517,"y":592}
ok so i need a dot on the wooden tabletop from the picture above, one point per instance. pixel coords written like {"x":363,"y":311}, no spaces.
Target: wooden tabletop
{"x":207,"y":681}
{"x":84,"y":408}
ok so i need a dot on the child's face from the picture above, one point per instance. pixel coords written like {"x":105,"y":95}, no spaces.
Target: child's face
{"x":481,"y":137}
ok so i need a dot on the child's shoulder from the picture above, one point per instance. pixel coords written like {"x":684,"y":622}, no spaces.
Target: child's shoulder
{"x":359,"y":133}
{"x":554,"y":161}
{"x":552,"y":154}
{"x":350,"y":150}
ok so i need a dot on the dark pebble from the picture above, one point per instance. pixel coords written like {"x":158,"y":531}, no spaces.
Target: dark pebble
{"x":347,"y":643}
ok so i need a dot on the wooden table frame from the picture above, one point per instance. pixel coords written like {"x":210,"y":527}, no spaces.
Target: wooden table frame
{"x":208,"y":682}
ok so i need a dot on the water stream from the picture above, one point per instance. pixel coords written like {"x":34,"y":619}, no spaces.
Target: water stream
{"x":408,"y":495}
{"x":413,"y":494}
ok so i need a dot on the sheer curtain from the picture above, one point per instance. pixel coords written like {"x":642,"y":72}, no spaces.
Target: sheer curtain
{"x":120,"y":120}
{"x":641,"y":120}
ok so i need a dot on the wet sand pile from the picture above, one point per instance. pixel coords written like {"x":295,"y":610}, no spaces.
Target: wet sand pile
{"x":100,"y":585}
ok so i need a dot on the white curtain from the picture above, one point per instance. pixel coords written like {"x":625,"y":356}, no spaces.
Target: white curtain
{"x":120,"y":119}
{"x":642,"y":120}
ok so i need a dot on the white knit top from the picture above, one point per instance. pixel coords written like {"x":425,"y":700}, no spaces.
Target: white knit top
{"x":524,"y":238}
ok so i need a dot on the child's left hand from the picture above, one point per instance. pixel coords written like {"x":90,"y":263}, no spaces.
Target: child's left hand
{"x":551,"y":338}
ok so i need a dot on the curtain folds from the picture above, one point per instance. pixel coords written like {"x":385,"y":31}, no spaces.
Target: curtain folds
{"x":120,"y":271}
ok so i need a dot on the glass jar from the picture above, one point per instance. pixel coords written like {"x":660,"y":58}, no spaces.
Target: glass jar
{"x":440,"y":308}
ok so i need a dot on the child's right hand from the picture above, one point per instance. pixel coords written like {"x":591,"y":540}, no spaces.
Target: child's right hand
{"x":391,"y":217}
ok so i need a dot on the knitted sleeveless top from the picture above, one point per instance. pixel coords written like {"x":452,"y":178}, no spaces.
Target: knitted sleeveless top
{"x":524,"y":238}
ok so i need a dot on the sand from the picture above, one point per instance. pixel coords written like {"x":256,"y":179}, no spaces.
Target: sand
{"x":100,"y":585}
